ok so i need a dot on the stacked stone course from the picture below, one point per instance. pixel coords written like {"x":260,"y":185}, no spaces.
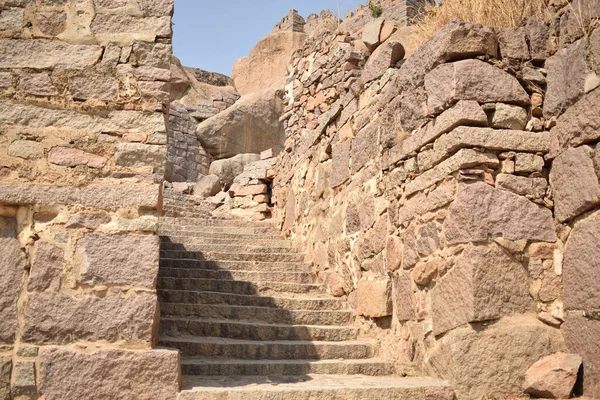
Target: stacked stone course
{"x":84,"y":89}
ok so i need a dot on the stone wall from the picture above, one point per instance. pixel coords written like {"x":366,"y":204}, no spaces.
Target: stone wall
{"x":186,"y":159}
{"x":450,"y":201}
{"x":83,"y":97}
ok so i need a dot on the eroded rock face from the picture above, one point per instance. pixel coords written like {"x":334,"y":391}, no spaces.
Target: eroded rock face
{"x":485,"y":284}
{"x":251,"y":125}
{"x":553,"y":376}
{"x":469,"y":357}
{"x":229,"y":168}
{"x":481,"y":212}
{"x":374,"y":298}
{"x":67,"y":374}
{"x":267,"y":62}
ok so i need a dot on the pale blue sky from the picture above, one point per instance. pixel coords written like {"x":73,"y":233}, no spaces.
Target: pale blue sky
{"x":212,"y":34}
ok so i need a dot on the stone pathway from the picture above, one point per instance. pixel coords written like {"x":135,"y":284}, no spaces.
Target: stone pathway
{"x":251,"y":321}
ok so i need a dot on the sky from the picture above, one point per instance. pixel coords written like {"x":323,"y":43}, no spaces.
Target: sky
{"x":212,"y":34}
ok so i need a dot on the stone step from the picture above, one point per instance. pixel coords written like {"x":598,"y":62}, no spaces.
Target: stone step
{"x":206,"y":327}
{"x":262,"y":257}
{"x":238,"y":230}
{"x":253,"y":241}
{"x":237,"y":287}
{"x":208,"y":233}
{"x":216,"y":222}
{"x":259,"y":314}
{"x":235,"y":265}
{"x":231,"y":367}
{"x":247,"y":276}
{"x":226,"y":248}
{"x":269,"y":350}
{"x":312,"y":387}
{"x":298,"y":303}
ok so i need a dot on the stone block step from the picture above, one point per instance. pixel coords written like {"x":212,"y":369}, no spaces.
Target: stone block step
{"x":227,"y":367}
{"x":210,"y":240}
{"x":235,"y":265}
{"x":226,"y":248}
{"x":297,"y":303}
{"x":206,"y":327}
{"x":208,"y":233}
{"x":216,"y":222}
{"x":262,"y":257}
{"x":312,"y":387}
{"x":262,"y":314}
{"x":269,"y":350}
{"x":237,"y":287}
{"x":247,"y":276}
{"x":238,"y":230}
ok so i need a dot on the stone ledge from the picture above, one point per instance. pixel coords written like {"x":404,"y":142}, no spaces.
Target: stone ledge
{"x":101,"y":196}
{"x":465,"y":158}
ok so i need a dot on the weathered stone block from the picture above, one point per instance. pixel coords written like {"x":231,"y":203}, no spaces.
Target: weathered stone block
{"x":137,"y":155}
{"x":574,"y":183}
{"x":42,"y":117}
{"x":94,"y":87}
{"x":23,"y":382}
{"x":38,"y":84}
{"x":581,"y":265}
{"x":469,"y":356}
{"x":384,"y":57}
{"x":472,"y":80}
{"x":340,"y":155}
{"x":100,"y":196}
{"x":5,"y":372}
{"x":482,"y":212}
{"x":579,"y":124}
{"x":12,"y":265}
{"x":62,"y":318}
{"x":141,"y":28}
{"x":513,"y":44}
{"x":127,"y":260}
{"x":365,"y":146}
{"x":69,"y":157}
{"x":42,"y":54}
{"x":581,"y":336}
{"x":66,"y":374}
{"x":485,"y":284}
{"x":26,"y":149}
{"x":404,"y":298}
{"x":156,"y":8}
{"x":370,"y":34}
{"x":88,"y":221}
{"x":553,"y":377}
{"x":47,"y":268}
{"x":507,"y":116}
{"x":374,"y":298}
{"x":566,"y":78}
{"x":151,"y":54}
{"x":521,"y":185}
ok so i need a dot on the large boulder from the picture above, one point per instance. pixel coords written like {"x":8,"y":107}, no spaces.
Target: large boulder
{"x":229,"y":168}
{"x":474,"y":358}
{"x":267,"y":63}
{"x":249,"y":126}
{"x":187,"y":89}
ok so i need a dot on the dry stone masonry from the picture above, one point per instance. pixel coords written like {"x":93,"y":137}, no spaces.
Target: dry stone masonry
{"x":343,"y":218}
{"x":83,"y":96}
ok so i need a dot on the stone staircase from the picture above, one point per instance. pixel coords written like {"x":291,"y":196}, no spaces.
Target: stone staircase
{"x":251,"y":321}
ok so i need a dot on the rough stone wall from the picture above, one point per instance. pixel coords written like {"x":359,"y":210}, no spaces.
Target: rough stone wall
{"x":83,"y":98}
{"x":186,"y":159}
{"x":447,"y":198}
